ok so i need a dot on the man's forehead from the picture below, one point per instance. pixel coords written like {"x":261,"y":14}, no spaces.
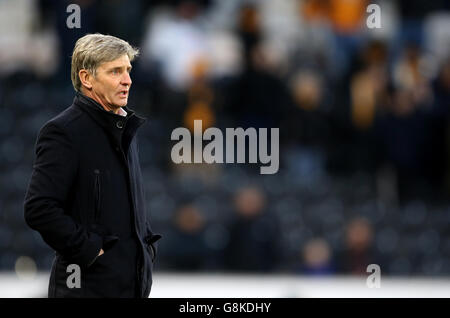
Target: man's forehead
{"x":122,"y":61}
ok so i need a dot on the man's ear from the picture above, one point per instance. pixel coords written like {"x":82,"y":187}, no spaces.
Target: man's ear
{"x":85,"y":78}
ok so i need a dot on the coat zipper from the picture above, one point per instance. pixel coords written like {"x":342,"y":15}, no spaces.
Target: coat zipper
{"x":97,"y":191}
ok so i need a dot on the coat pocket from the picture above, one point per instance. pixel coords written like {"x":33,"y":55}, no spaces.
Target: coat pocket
{"x":151,"y":246}
{"x":109,"y":239}
{"x":97,"y":195}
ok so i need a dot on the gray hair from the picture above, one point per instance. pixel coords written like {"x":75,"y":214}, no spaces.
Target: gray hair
{"x":92,"y":50}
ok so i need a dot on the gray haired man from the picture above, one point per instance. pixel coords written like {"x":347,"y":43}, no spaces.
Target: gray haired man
{"x":86,"y":195}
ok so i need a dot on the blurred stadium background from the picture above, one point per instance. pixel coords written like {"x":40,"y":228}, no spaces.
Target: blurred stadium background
{"x":364,"y":140}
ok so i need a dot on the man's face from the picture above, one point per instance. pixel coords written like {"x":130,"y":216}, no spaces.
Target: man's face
{"x":111,"y":84}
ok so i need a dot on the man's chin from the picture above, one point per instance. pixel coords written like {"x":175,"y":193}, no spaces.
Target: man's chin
{"x":122,"y":103}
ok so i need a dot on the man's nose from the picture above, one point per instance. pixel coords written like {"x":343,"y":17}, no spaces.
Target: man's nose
{"x":126,"y":79}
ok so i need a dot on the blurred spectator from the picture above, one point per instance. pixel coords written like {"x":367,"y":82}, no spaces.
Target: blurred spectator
{"x":404,"y":131}
{"x":185,"y":248}
{"x":317,"y":258}
{"x":200,"y":99}
{"x":438,"y":159}
{"x":358,"y":251}
{"x":410,"y":73}
{"x":253,"y":243}
{"x":175,"y":42}
{"x":360,"y":97}
{"x":369,"y":86}
{"x":305,"y":122}
{"x":258,"y":95}
{"x":347,"y":18}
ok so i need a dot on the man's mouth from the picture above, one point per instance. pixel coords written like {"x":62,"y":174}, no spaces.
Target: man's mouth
{"x":123,"y":93}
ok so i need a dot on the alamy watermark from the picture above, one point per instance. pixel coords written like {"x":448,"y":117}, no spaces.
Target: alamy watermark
{"x":74,"y":279}
{"x":213,"y":152}
{"x":373,"y":21}
{"x":374,"y":279}
{"x":74,"y":19}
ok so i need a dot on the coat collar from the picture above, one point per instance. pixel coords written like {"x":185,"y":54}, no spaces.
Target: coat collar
{"x":118,"y":127}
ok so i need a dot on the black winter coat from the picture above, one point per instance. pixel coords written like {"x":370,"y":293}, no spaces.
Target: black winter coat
{"x":86,"y":193}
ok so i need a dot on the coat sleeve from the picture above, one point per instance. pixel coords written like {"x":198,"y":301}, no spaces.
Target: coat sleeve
{"x":54,"y":171}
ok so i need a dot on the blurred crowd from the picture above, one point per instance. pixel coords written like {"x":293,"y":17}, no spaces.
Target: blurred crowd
{"x":363,"y":115}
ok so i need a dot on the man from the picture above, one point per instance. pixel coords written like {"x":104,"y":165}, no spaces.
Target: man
{"x":85,"y":196}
